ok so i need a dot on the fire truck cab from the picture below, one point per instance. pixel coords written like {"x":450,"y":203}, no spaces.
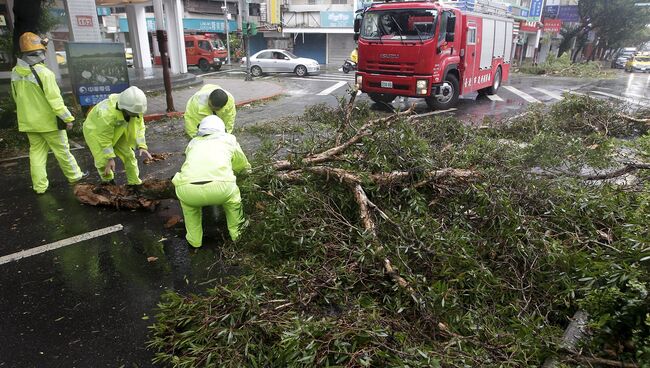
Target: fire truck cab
{"x":432,"y":50}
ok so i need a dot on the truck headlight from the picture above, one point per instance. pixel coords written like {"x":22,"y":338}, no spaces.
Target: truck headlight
{"x":359,"y":81}
{"x":216,"y":60}
{"x":421,"y":87}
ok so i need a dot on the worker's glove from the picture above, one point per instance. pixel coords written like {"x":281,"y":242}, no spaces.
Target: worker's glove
{"x":110,"y":167}
{"x":146,"y":153}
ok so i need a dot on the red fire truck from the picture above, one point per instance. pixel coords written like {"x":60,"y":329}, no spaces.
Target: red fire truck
{"x":205,"y":51}
{"x":433,"y":50}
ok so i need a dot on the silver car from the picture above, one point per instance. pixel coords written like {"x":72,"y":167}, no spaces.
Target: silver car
{"x":281,"y":61}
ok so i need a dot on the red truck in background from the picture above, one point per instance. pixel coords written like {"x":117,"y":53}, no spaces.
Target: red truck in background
{"x":432,"y":50}
{"x":204,"y":51}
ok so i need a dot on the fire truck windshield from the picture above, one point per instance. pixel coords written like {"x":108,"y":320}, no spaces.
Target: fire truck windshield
{"x":399,"y":24}
{"x":218,"y":44}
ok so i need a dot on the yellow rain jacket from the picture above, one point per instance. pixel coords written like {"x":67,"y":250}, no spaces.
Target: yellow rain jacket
{"x":37,"y":107}
{"x":197,"y":108}
{"x":207,"y":178}
{"x":108,"y":134}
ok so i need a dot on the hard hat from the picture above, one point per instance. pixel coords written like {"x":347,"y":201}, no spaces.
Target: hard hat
{"x":30,"y":42}
{"x":132,"y":100}
{"x":218,"y":98}
{"x":211,"y":124}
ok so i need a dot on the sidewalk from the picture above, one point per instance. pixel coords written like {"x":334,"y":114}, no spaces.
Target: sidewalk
{"x":243,"y":92}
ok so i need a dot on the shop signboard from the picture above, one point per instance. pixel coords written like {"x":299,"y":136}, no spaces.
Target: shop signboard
{"x":552,"y":25}
{"x":96,"y":70}
{"x":336,"y":19}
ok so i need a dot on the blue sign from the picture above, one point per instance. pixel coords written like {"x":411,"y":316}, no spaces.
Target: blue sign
{"x":536,"y":9}
{"x":569,"y":14}
{"x":103,"y":11}
{"x":336,"y":19}
{"x":189,"y":24}
{"x":551,"y":11}
{"x":96,"y":70}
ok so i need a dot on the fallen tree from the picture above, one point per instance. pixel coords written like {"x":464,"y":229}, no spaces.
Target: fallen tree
{"x":400,"y":241}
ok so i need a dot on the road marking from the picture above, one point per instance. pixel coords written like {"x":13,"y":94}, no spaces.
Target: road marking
{"x":637,"y":96}
{"x":27,"y":156}
{"x":333,"y":88}
{"x":60,"y":244}
{"x":548,"y":93}
{"x":223,"y":72}
{"x":522,"y":94}
{"x":318,"y":80}
{"x":495,"y":98}
{"x":625,"y":99}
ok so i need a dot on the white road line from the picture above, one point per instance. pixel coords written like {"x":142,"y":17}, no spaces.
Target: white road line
{"x":27,"y":156}
{"x":549,"y":93}
{"x":625,"y":99}
{"x":635,"y":95}
{"x":333,"y":88}
{"x":522,"y":94}
{"x":60,"y":244}
{"x":319,"y":80}
{"x":495,"y":98}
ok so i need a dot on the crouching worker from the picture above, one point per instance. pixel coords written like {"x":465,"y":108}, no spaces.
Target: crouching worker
{"x":207,"y":178}
{"x":115,"y":126}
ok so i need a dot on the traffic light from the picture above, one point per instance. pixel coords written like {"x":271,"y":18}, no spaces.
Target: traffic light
{"x":249,"y":28}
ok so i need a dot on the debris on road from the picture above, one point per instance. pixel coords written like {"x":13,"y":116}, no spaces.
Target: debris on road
{"x":160,"y":156}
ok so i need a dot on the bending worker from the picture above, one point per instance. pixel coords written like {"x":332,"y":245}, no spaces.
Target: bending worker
{"x":115,"y":126}
{"x":39,"y":106}
{"x":207,"y":178}
{"x":209,"y":100}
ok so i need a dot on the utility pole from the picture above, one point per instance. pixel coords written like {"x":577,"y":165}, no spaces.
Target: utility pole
{"x":225,"y":27}
{"x":161,"y":36}
{"x":246,"y":45}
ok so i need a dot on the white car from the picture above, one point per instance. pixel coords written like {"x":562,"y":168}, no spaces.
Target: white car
{"x":281,"y":61}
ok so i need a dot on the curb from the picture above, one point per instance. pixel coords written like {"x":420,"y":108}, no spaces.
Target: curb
{"x":177,"y":114}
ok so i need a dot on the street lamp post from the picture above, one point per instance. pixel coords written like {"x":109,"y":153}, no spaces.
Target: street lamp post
{"x":225,"y":28}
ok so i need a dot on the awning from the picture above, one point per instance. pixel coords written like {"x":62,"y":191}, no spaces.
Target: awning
{"x":318,"y":30}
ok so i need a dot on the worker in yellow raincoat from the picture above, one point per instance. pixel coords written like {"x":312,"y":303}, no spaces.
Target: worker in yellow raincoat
{"x":210,"y":99}
{"x":115,"y":127}
{"x":207,"y":178}
{"x":39,"y":107}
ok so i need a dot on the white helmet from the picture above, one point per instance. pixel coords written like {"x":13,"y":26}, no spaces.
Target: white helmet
{"x":132,"y":100}
{"x":211,"y":124}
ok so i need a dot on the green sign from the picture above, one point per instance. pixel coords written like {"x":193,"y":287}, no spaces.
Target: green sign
{"x":96,"y":70}
{"x":249,"y":28}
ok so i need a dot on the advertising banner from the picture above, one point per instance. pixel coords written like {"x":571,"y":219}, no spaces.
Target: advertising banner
{"x":552,"y":25}
{"x":96,"y":70}
{"x":334,"y":19}
{"x":569,"y":14}
{"x":189,"y":24}
{"x":535,"y":9}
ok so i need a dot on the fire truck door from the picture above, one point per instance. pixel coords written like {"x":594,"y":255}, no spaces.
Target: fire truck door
{"x":470,"y":58}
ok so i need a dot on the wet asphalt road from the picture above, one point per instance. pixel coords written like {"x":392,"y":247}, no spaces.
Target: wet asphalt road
{"x":89,"y":304}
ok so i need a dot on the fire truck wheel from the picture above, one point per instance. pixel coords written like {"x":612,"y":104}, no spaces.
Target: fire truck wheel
{"x":448,"y":96}
{"x":204,"y":65}
{"x":496,"y":84}
{"x":256,"y":71}
{"x":381,"y":98}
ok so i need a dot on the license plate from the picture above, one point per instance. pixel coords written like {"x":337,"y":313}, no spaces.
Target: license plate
{"x":386,"y":84}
